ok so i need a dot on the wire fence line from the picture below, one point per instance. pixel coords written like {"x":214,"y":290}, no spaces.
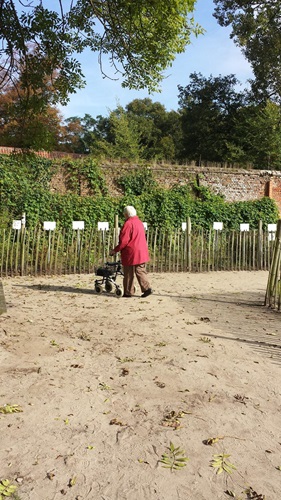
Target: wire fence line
{"x":39,"y":252}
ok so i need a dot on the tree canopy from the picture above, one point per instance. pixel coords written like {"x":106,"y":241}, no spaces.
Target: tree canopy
{"x":141,"y":39}
{"x":21,"y":127}
{"x":209,"y":109}
{"x":256,"y":28}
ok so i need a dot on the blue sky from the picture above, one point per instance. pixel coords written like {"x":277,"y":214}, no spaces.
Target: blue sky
{"x":213,"y":53}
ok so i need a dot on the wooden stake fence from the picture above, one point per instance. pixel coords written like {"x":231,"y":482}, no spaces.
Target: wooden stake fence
{"x":37,"y":252}
{"x":273,"y":292}
{"x":3,"y":308}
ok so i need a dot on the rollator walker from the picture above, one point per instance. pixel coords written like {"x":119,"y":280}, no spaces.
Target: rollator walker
{"x":108,"y":275}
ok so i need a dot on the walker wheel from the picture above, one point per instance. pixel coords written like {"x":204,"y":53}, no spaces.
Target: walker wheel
{"x":108,"y":287}
{"x":119,"y":292}
{"x":99,"y":288}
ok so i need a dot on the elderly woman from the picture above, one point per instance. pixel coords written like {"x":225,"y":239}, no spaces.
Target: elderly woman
{"x":134,"y":253}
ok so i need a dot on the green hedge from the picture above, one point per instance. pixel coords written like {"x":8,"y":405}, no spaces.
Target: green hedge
{"x":24,"y":187}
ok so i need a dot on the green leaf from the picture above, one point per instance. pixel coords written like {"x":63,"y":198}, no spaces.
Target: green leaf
{"x":6,"y":489}
{"x":173,"y":459}
{"x":219,"y":462}
{"x":10,"y":409}
{"x":72,"y":481}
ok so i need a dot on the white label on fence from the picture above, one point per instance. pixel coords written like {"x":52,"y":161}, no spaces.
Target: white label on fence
{"x":16,"y":224}
{"x":103,"y":226}
{"x":271,"y":228}
{"x":77,"y":224}
{"x":145,"y":225}
{"x":271,"y":236}
{"x":183,"y":226}
{"x":218,"y":226}
{"x":244,"y":227}
{"x":49,"y":225}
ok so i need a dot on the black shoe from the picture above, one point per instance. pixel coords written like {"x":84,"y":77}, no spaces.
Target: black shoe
{"x":146,"y":293}
{"x":128,"y":296}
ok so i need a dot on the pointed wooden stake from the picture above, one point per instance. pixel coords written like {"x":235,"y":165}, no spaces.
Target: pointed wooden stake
{"x":3,"y":308}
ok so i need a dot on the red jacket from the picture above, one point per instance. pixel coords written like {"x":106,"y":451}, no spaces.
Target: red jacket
{"x":132,"y":243}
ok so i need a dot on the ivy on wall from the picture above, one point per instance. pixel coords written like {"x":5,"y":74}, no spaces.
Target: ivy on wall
{"x":24,"y":187}
{"x":86,"y":173}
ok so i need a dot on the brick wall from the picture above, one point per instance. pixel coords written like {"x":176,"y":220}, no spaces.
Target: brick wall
{"x":244,"y":185}
{"x":44,"y":154}
{"x":234,"y":184}
{"x":275,"y":189}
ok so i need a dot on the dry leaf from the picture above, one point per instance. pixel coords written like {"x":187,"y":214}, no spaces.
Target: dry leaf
{"x":114,"y":421}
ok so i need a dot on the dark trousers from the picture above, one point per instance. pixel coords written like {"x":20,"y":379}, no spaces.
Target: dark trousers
{"x":129,"y":274}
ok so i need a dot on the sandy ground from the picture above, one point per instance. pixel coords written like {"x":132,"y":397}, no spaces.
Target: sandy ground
{"x":105,"y":384}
